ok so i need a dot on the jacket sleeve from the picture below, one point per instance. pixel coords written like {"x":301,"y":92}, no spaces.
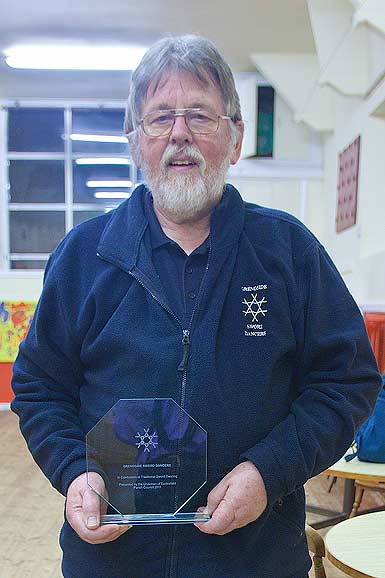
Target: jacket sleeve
{"x":46,"y":380}
{"x":336,"y":382}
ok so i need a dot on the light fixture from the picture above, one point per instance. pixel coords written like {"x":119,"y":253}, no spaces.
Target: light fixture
{"x":102,"y":161}
{"x":114,"y":195}
{"x":98,"y":138}
{"x":70,"y":56}
{"x":124,"y":183}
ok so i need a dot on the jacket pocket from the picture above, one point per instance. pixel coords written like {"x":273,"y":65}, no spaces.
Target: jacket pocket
{"x":280,"y":512}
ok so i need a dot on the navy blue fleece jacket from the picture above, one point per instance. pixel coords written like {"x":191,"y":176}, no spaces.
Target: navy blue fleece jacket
{"x":280,"y":371}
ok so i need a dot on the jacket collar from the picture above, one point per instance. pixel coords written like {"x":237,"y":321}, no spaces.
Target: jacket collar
{"x":122,"y":236}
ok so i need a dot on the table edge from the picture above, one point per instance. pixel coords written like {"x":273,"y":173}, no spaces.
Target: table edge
{"x":345,"y":568}
{"x":355,"y":475}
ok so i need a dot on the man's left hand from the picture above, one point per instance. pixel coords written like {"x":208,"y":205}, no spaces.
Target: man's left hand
{"x":238,"y":499}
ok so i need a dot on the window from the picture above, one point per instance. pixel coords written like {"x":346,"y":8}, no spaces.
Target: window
{"x":58,"y":168}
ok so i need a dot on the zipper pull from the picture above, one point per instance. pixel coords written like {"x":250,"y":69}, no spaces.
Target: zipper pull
{"x":186,"y":350}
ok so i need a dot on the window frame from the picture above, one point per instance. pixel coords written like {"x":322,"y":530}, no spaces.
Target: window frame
{"x":68,"y":156}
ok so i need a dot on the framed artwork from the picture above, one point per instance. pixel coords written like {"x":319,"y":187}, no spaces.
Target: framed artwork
{"x":15,"y":319}
{"x":347,"y":188}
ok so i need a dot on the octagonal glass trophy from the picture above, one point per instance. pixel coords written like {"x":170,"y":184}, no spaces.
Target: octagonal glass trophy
{"x":153,"y":457}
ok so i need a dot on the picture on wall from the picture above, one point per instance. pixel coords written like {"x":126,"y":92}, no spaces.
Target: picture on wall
{"x":347,"y":188}
{"x":15,"y":319}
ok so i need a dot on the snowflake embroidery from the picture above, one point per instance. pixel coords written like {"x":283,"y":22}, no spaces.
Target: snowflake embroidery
{"x":254,"y":301}
{"x":146,"y":439}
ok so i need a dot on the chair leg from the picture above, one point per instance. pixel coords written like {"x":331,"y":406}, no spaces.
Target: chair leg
{"x":357,"y":502}
{"x":319,"y":570}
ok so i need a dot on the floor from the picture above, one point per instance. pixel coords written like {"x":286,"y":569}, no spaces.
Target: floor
{"x":31,"y":510}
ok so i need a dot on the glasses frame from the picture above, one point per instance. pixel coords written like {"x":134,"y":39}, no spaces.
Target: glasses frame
{"x":182,"y":112}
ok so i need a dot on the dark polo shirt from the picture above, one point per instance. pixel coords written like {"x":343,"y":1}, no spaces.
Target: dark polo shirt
{"x":180,"y":274}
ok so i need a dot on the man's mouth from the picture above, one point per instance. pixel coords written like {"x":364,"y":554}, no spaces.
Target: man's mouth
{"x":182,"y":164}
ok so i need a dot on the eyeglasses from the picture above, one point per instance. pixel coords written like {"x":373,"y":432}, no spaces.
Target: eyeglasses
{"x":199,"y":121}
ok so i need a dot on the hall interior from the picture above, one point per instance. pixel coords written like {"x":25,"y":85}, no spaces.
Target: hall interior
{"x":311,"y":79}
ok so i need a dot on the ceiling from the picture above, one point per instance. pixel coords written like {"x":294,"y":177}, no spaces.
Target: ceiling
{"x":237,"y":28}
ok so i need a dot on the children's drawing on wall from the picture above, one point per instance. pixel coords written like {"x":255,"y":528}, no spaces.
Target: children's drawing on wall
{"x":15,"y":319}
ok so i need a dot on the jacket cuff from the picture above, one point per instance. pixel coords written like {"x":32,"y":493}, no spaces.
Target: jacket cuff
{"x":75,"y":469}
{"x":264,"y":460}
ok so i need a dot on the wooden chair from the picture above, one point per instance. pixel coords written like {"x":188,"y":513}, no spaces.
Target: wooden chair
{"x":317,"y":547}
{"x":360,"y":489}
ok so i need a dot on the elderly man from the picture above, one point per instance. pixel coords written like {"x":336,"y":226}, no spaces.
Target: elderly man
{"x":232,"y":310}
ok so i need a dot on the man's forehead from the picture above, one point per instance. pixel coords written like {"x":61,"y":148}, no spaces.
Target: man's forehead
{"x":201,"y":77}
{"x":167,"y":84}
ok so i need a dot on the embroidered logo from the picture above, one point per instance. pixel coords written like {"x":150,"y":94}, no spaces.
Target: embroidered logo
{"x":254,"y":301}
{"x":255,"y":310}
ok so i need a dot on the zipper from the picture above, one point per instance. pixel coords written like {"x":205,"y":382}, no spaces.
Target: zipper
{"x":186,"y":350}
{"x":183,"y":367}
{"x":186,"y":342}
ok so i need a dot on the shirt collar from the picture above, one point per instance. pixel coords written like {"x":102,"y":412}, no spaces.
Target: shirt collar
{"x":125,"y":226}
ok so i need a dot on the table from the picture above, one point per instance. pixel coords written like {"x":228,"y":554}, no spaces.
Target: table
{"x":357,"y":546}
{"x":350,"y":471}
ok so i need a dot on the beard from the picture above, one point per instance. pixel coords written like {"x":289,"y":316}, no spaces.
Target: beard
{"x":186,"y":197}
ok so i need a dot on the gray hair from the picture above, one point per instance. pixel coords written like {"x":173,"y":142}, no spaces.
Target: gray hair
{"x":188,"y":53}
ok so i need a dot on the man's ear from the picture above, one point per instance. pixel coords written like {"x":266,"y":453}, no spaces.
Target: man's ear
{"x":133,"y":143}
{"x":240,"y":127}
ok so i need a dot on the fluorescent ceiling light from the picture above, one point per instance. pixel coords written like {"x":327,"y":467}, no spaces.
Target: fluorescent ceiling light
{"x":114,"y":195}
{"x":98,"y":138}
{"x":60,"y":56}
{"x":102,"y":161}
{"x":109,"y":184}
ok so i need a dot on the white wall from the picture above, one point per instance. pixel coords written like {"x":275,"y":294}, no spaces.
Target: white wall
{"x":359,"y":252}
{"x":286,"y":195}
{"x":17,"y":286}
{"x":292,"y":140}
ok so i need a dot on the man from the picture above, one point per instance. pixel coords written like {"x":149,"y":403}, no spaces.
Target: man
{"x":234,"y":311}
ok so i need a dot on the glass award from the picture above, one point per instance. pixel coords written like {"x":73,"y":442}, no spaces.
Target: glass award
{"x":152,"y":456}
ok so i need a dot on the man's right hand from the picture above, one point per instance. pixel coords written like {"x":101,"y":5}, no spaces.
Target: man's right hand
{"x":84,"y":508}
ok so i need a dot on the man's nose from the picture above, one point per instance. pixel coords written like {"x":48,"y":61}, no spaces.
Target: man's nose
{"x":180,"y":131}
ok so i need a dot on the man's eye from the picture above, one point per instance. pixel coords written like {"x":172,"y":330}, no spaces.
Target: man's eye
{"x":200,"y":117}
{"x":161,"y":119}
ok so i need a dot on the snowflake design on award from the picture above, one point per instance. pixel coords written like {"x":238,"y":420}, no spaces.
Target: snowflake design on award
{"x":146,"y":439}
{"x":254,"y":301}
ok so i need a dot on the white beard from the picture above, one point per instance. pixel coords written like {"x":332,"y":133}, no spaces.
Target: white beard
{"x":186,"y":197}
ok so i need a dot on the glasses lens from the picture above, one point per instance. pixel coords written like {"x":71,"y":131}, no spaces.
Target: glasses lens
{"x":201,"y":121}
{"x":158,"y":123}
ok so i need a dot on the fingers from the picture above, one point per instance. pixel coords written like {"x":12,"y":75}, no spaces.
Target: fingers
{"x":83,"y":510}
{"x":222,"y":513}
{"x":86,"y":523}
{"x":240,"y":498}
{"x":216,"y":496}
{"x":223,"y":520}
{"x":101,"y":534}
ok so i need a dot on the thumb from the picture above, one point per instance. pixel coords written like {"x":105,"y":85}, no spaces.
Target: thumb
{"x":91,"y":509}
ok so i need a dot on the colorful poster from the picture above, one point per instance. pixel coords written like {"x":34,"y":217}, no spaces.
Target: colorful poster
{"x":15,"y":319}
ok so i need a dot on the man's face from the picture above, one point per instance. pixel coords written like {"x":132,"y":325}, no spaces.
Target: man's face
{"x":186,"y":192}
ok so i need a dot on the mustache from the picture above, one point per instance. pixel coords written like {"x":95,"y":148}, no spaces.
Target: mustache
{"x":188,"y":150}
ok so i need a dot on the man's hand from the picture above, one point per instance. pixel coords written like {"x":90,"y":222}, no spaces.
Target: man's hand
{"x":240,"y":498}
{"x":84,"y":508}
